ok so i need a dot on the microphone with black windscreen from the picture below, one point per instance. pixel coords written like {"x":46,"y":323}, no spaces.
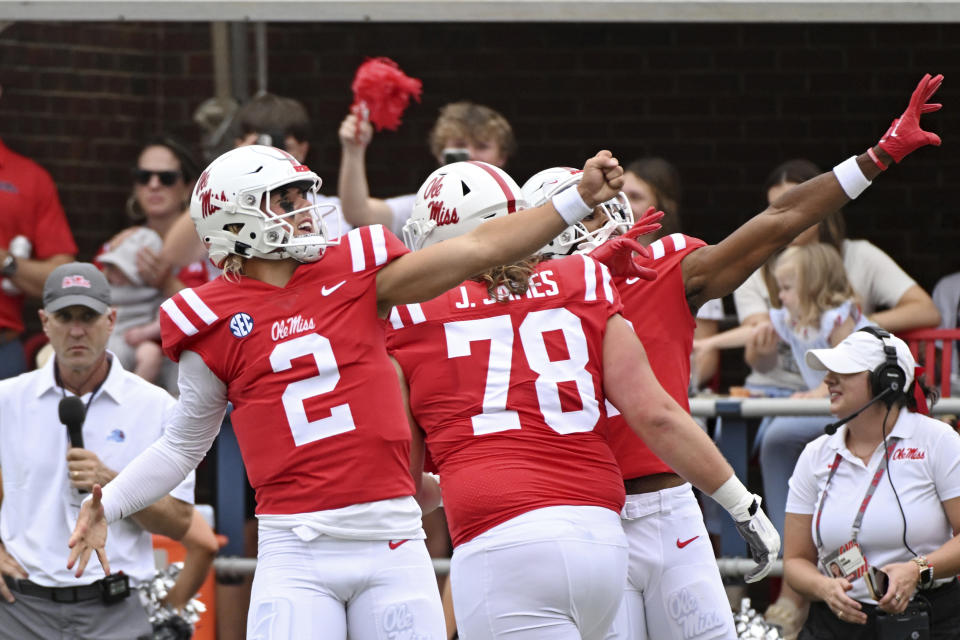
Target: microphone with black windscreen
{"x":831,"y":428}
{"x":72,"y":414}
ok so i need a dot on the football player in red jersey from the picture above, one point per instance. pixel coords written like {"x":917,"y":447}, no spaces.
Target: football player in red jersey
{"x":507,"y":376}
{"x":292,"y":336}
{"x":673,"y":582}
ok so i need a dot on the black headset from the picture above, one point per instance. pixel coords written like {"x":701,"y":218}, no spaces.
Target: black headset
{"x":889,"y":376}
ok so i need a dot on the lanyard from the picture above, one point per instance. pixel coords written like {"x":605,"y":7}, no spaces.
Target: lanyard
{"x":866,"y":498}
{"x":63,"y":390}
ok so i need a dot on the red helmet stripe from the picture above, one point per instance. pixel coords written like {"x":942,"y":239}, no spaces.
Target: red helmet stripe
{"x":511,"y":198}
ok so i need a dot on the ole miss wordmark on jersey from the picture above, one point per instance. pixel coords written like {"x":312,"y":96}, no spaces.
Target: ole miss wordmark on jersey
{"x":317,"y":410}
{"x":661,"y":318}
{"x":509,"y":393}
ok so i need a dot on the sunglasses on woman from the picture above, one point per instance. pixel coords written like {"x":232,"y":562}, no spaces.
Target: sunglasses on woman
{"x":167,"y":178}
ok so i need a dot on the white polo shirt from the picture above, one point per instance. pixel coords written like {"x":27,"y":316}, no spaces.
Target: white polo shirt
{"x":924,"y":468}
{"x":39,"y":507}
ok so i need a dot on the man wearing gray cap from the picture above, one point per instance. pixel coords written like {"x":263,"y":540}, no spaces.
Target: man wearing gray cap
{"x":46,"y":470}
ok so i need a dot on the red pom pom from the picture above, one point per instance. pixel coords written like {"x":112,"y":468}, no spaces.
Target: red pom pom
{"x":382,"y":90}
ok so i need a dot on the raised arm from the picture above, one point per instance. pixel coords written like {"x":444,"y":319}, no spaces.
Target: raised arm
{"x":358,"y":207}
{"x":715,"y":271}
{"x":427,"y":273}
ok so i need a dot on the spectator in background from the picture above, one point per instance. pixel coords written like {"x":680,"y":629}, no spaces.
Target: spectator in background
{"x":888,"y":297}
{"x":266,"y":119}
{"x":479,"y":131}
{"x":134,"y":338}
{"x":45,"y":474}
{"x":163,"y":179}
{"x":946,"y":295}
{"x":818,"y":310}
{"x":275,"y":121}
{"x":34,"y":239}
{"x":654,"y":182}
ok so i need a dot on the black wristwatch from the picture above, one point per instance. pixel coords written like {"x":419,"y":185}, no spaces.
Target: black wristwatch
{"x":926,"y":572}
{"x":9,"y":266}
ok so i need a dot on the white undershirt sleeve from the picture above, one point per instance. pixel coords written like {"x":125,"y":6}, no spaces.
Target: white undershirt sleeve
{"x":193,"y":426}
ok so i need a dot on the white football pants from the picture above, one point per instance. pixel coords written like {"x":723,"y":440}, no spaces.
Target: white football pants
{"x":551,"y":574}
{"x":332,"y":588}
{"x":674,"y":591}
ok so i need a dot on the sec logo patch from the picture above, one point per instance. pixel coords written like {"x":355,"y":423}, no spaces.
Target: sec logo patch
{"x":241,"y":324}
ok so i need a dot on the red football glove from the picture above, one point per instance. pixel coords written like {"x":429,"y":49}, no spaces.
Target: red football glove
{"x":617,"y":253}
{"x":648,"y":223}
{"x":905,"y":134}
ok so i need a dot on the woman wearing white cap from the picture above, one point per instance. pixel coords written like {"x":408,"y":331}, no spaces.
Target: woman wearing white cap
{"x":881,"y":492}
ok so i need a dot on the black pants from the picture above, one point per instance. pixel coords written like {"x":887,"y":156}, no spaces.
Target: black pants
{"x":822,"y":624}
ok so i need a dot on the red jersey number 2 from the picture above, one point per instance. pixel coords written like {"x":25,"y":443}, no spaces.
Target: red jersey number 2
{"x":340,"y":419}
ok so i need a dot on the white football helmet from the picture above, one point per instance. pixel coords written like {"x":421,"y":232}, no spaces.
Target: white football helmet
{"x":235,"y":190}
{"x":456,"y":199}
{"x":549,"y":182}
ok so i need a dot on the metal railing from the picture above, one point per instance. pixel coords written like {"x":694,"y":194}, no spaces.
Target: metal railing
{"x":236,"y":566}
{"x":709,"y":406}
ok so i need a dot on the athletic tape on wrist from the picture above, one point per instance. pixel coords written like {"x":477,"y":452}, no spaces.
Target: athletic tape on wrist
{"x":571,"y":206}
{"x":851,"y":177}
{"x":732,"y":495}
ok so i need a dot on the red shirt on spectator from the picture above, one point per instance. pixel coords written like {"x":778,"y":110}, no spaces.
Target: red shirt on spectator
{"x":30,"y":207}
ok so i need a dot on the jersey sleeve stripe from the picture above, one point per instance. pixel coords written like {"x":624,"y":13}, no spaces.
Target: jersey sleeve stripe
{"x":607,"y":285}
{"x":589,"y":278}
{"x":379,"y":244}
{"x":395,"y":320}
{"x":679,"y":241}
{"x":199,"y":307}
{"x":356,"y":250}
{"x":657,"y":250}
{"x":416,"y":313}
{"x":173,"y":311}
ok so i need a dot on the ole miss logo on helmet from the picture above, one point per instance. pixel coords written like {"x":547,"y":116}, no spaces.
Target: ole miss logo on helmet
{"x":438,"y":213}
{"x":74,"y":281}
{"x":441,"y":215}
{"x":207,"y":207}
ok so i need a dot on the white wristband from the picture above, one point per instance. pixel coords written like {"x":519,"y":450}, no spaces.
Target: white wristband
{"x":851,"y":177}
{"x":571,"y":206}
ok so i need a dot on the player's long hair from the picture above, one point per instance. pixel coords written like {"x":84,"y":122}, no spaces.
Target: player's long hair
{"x":510,"y":279}
{"x":232,"y":267}
{"x":821,"y":282}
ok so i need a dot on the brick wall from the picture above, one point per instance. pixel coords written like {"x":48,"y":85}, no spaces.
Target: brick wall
{"x":724,"y":102}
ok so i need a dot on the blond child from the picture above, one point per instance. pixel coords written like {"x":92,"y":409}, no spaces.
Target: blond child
{"x":818,"y":309}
